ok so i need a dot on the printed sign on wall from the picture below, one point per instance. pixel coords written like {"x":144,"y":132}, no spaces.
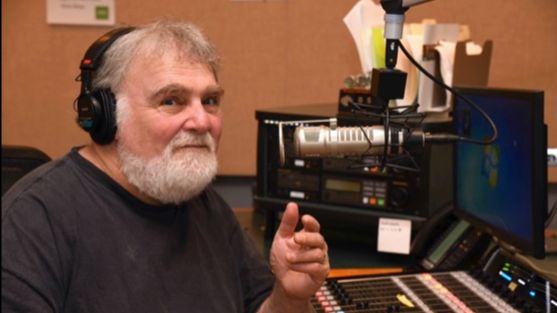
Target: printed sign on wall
{"x":80,"y":12}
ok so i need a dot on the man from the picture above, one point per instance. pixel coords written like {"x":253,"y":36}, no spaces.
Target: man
{"x":129,"y":222}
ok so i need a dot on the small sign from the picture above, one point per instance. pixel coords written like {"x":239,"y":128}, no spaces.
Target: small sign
{"x":80,"y":12}
{"x":394,"y":235}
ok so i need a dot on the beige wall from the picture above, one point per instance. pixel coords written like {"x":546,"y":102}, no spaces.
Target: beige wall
{"x":275,"y":53}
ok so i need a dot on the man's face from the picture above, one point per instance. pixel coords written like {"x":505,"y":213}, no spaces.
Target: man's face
{"x":167,"y":95}
{"x":169,"y":129}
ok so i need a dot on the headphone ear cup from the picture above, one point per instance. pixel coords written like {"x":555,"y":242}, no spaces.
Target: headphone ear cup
{"x":104,"y":126}
{"x":87,"y":112}
{"x":96,"y":108}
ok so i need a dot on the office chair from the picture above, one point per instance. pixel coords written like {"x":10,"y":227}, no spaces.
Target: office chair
{"x":18,"y":161}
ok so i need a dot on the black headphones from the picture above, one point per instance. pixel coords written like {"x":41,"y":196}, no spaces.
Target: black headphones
{"x":96,"y":108}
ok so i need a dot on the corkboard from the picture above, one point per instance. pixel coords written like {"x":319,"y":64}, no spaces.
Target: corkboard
{"x":275,"y":53}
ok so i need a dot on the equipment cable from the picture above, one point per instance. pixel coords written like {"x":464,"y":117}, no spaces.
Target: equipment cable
{"x":449,"y":137}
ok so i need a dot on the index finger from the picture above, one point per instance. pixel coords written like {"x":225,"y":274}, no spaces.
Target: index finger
{"x":310,"y":223}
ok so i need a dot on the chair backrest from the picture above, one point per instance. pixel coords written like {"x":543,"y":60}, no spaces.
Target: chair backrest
{"x":18,"y":161}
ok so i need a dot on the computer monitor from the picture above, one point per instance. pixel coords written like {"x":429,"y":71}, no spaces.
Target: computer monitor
{"x":501,"y":188}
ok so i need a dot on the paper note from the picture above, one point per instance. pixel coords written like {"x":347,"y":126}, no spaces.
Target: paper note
{"x":394,"y":235}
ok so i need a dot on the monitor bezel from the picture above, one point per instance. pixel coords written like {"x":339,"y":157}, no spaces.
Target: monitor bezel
{"x":535,"y":245}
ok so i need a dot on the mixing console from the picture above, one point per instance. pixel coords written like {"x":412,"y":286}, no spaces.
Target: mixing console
{"x":455,"y":291}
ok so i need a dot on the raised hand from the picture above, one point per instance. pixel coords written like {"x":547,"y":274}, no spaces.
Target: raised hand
{"x":299,"y":260}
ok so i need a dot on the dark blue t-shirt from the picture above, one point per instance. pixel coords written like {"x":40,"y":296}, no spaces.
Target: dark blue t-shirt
{"x":73,"y":240}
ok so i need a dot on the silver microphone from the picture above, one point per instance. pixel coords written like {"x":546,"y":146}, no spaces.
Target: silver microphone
{"x":324,"y":141}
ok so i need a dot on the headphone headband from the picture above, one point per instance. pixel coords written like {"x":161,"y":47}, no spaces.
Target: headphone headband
{"x":95,"y":52}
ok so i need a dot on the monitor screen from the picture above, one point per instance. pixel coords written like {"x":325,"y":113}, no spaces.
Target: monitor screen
{"x":501,"y":188}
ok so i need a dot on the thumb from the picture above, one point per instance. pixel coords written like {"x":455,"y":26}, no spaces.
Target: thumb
{"x":289,"y":220}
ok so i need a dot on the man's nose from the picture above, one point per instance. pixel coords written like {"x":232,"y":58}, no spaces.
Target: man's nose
{"x":197,"y":118}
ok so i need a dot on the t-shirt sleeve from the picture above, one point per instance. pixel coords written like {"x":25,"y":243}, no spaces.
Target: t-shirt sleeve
{"x":35,"y":258}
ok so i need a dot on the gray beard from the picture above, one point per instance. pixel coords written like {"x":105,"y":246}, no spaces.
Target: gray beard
{"x":175,"y":176}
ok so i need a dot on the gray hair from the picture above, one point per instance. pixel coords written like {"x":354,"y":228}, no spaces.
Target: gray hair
{"x":154,"y":38}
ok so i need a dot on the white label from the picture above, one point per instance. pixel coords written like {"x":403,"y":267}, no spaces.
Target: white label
{"x":297,"y":194}
{"x":299,"y":163}
{"x":394,"y":235}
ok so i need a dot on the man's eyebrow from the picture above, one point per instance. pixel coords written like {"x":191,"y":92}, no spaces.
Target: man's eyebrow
{"x":216,"y":90}
{"x":170,"y":89}
{"x":180,"y":89}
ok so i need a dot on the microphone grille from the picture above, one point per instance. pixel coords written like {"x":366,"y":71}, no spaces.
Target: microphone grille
{"x":311,"y":134}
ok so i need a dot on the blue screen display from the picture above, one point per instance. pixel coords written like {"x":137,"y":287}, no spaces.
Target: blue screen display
{"x":494,"y":182}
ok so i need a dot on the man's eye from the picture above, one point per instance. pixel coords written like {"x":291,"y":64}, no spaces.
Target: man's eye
{"x":210,"y":101}
{"x":169,"y":102}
